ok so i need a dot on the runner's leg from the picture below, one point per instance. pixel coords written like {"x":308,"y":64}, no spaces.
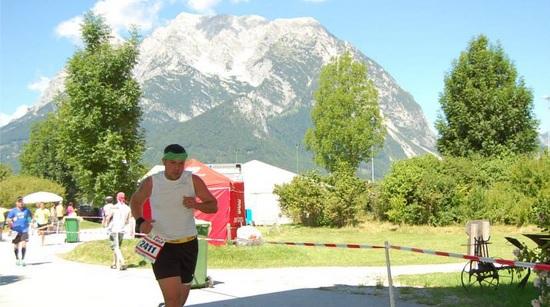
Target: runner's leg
{"x":185,"y":288}
{"x":171,"y":288}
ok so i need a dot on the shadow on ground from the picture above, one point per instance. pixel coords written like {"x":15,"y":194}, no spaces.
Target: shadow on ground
{"x":345,"y":295}
{"x":338,"y":295}
{"x":9,"y":279}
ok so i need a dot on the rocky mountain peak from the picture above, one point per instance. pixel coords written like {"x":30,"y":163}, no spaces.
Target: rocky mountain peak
{"x":254,"y":76}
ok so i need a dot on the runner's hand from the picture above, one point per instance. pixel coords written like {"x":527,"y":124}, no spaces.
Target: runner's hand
{"x":146,"y":227}
{"x":189,"y":202}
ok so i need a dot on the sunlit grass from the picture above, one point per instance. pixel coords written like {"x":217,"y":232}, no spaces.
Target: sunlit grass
{"x":450,"y":239}
{"x":445,"y":289}
{"x":441,"y":289}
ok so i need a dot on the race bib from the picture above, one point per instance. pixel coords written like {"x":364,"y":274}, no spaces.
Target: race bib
{"x":149,"y":247}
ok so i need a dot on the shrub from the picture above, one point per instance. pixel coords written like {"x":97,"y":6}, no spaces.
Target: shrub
{"x":505,"y":205}
{"x":335,"y":200}
{"x":421,"y":190}
{"x":347,"y":196}
{"x":302,"y":199}
{"x":15,"y":186}
{"x":425,"y":190}
{"x":5,"y":171}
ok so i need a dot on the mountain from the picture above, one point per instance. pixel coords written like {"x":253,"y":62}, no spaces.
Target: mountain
{"x":240,"y":88}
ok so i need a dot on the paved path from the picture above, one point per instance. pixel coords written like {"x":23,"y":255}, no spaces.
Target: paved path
{"x":48,"y":280}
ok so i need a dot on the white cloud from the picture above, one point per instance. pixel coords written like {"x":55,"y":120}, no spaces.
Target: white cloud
{"x":120,"y":15}
{"x":39,"y":85}
{"x":203,"y":6}
{"x":239,"y":1}
{"x":547,"y":97}
{"x":6,"y":118}
{"x":70,"y":29}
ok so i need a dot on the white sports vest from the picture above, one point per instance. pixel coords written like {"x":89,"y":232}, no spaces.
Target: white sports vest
{"x":172,"y":219}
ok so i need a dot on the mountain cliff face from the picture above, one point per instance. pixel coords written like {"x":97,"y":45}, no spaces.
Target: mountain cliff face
{"x":240,"y":88}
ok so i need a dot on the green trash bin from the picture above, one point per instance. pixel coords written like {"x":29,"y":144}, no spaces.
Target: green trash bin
{"x":201,"y":280}
{"x":72,"y":228}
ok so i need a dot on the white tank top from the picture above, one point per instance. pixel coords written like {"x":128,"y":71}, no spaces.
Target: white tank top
{"x":173,"y":220}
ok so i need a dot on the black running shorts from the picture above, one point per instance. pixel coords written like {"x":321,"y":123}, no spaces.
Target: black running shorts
{"x":177,"y":259}
{"x":20,"y":237}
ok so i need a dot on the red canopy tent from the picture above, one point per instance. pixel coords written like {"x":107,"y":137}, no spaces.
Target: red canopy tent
{"x":230,"y":196}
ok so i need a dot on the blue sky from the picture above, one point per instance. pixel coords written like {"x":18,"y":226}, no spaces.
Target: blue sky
{"x":415,"y":41}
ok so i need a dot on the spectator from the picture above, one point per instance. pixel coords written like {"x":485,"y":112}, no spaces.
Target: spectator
{"x":117,"y":219}
{"x":70,"y":210}
{"x":130,"y":228}
{"x":106,"y":210}
{"x":59,"y":211}
{"x":42,"y":218}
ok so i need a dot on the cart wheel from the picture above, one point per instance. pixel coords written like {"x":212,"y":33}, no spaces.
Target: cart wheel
{"x":506,"y":275}
{"x":209,"y":282}
{"x":480,"y":273}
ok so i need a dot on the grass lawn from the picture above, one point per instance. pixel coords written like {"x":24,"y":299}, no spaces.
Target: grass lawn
{"x":449,"y":239}
{"x":445,"y":289}
{"x":440,"y":289}
{"x":84,"y":224}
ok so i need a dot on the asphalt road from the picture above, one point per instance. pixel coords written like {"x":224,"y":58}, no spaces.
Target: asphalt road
{"x":48,"y":280}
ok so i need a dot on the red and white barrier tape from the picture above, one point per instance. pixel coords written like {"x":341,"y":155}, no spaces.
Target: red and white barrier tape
{"x":336,"y":245}
{"x":512,"y":263}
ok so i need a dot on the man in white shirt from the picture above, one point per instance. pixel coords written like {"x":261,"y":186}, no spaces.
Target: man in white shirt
{"x":174,"y":195}
{"x":129,"y":231}
{"x":117,"y":217}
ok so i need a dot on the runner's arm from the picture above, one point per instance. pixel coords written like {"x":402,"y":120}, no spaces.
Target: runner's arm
{"x":140,"y":196}
{"x":208,"y":204}
{"x":9,"y":219}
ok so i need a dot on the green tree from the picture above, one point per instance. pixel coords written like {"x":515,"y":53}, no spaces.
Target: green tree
{"x":40,"y":157}
{"x":5,"y":171}
{"x":486,"y":109}
{"x":99,"y":114}
{"x":346,"y":116}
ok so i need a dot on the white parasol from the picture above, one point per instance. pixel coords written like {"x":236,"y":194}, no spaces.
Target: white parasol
{"x":44,"y":197}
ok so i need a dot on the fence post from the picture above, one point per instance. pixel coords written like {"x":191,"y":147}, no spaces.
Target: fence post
{"x":228,"y":227}
{"x":388,"y":266}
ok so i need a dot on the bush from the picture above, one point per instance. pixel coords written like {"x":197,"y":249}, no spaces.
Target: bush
{"x":540,"y":213}
{"x":335,"y":200}
{"x":421,"y":191}
{"x":302,"y":199}
{"x":507,"y":189}
{"x":505,"y":205}
{"x":15,"y":186}
{"x":5,"y":171}
{"x":347,"y":196}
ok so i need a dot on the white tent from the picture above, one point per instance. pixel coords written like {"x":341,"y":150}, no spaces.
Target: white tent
{"x":259,"y":181}
{"x":155,"y":169}
{"x":41,"y":197}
